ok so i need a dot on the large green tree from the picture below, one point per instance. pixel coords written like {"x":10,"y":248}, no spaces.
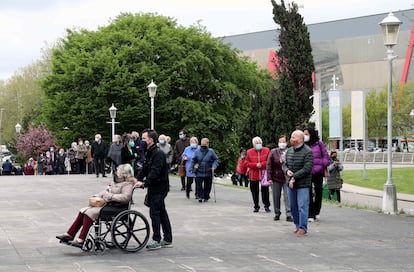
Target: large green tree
{"x":291,"y":103}
{"x":203,"y":84}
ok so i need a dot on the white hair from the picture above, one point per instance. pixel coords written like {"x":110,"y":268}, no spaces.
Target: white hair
{"x":257,"y":140}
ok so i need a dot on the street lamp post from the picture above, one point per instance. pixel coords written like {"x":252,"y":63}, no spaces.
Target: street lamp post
{"x":390,"y":26}
{"x":18,"y":128}
{"x":112,"y":113}
{"x":152,"y":91}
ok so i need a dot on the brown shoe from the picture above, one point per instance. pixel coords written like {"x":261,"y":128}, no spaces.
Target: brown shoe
{"x":301,"y":232}
{"x":296,"y":231}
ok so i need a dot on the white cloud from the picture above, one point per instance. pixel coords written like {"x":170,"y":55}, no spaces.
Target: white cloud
{"x":26,"y":25}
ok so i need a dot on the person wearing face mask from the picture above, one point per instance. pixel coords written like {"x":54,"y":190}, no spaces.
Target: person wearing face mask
{"x":80,"y":154}
{"x":298,"y":170}
{"x":60,"y":162}
{"x":129,"y":150}
{"x":203,"y":164}
{"x":115,"y":154}
{"x":187,"y":156}
{"x":277,"y":178}
{"x":99,"y":151}
{"x":320,"y":164}
{"x":241,"y":170}
{"x":89,"y":158}
{"x":256,"y":159}
{"x":179,"y":147}
{"x":334,"y":180}
{"x":166,"y":148}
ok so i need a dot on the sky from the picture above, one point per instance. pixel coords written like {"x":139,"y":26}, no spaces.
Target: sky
{"x":28,"y":26}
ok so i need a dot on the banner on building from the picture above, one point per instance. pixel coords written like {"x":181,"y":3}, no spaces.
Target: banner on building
{"x":357,"y":115}
{"x":335,"y":114}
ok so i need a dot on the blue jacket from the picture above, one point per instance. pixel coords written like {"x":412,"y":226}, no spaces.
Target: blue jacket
{"x":207,"y":159}
{"x":189,"y":154}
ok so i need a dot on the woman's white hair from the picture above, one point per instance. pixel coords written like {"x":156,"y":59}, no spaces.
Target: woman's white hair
{"x":257,"y":140}
{"x":125,"y":170}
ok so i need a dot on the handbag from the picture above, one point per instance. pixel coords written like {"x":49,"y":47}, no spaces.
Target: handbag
{"x":96,"y":201}
{"x":181,"y":170}
{"x":264,"y":181}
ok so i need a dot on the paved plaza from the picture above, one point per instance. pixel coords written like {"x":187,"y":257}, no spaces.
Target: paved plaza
{"x":215,"y":236}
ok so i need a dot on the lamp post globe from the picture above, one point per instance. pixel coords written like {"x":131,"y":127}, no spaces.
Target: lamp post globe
{"x":112,"y":113}
{"x":390,"y":27}
{"x":152,"y":91}
{"x":18,"y":128}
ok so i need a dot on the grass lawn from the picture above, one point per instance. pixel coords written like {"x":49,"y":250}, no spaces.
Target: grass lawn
{"x":403,"y":178}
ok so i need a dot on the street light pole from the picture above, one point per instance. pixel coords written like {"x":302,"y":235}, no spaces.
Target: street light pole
{"x":112,"y":113}
{"x":1,"y":118}
{"x":152,"y":91}
{"x":390,"y":26}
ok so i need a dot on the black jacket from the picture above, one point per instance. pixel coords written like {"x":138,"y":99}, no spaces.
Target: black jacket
{"x":155,"y":171}
{"x":99,"y":150}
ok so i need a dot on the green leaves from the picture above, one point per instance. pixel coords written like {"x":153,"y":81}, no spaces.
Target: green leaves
{"x":202,"y":83}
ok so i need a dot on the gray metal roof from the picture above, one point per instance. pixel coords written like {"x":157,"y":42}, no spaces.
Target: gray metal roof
{"x":327,"y":31}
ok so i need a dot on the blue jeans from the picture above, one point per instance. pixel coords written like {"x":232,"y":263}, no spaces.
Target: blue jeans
{"x":299,"y":205}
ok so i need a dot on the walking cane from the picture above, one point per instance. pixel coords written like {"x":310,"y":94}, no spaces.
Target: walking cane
{"x":214,"y":185}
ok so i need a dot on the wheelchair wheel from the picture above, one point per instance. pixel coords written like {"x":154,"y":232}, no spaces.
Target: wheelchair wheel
{"x":130,"y":231}
{"x":99,"y":247}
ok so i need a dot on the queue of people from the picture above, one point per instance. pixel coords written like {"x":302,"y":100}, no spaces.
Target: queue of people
{"x":298,"y":171}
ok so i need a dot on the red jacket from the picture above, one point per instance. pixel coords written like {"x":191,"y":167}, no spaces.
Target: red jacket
{"x":252,"y":158}
{"x":241,"y":168}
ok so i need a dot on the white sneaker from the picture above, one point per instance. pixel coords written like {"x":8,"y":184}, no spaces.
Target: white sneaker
{"x":311,"y":219}
{"x":317,"y":217}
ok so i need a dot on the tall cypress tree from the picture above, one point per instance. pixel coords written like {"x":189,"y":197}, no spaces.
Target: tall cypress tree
{"x":291,"y":101}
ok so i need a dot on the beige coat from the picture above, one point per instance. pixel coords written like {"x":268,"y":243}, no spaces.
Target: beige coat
{"x":122,"y":193}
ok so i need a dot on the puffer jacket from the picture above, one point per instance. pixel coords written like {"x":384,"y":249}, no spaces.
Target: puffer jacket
{"x":300,"y":162}
{"x":320,"y":158}
{"x":252,"y":158}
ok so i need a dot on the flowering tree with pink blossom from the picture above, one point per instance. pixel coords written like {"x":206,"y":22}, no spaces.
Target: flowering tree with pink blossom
{"x":35,"y":141}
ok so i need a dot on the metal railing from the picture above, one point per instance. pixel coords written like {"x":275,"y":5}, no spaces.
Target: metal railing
{"x":379,"y":157}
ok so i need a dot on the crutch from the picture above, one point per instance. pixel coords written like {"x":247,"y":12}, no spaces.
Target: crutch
{"x":214,"y":185}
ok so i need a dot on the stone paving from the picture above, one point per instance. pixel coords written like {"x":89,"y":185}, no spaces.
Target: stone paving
{"x":215,"y":236}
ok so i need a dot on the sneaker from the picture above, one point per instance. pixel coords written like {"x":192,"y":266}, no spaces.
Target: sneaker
{"x":256,"y":210}
{"x":289,"y":219}
{"x":200,"y":200}
{"x":165,"y":244}
{"x":317,"y":217}
{"x":277,"y":217}
{"x":311,"y":219}
{"x":154,"y":245}
{"x":267,"y":210}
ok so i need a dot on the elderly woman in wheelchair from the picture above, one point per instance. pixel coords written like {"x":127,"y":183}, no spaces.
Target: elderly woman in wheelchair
{"x":129,"y":229}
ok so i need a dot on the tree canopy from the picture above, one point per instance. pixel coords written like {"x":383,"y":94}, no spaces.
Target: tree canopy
{"x":203,"y":84}
{"x":287,"y":104}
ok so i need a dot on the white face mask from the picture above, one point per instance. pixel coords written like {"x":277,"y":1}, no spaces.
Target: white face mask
{"x":306,"y":138}
{"x":282,"y":145}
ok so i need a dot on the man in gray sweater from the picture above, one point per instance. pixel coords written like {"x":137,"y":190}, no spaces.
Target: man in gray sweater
{"x":298,"y":169}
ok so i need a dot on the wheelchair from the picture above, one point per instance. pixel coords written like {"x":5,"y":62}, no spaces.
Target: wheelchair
{"x":117,"y":227}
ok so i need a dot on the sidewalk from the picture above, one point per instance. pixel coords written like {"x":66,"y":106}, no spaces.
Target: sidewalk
{"x":222,"y":235}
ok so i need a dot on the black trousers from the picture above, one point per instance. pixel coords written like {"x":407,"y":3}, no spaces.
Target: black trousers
{"x":159,"y":218}
{"x":315,"y":195}
{"x":254,"y":189}
{"x":99,"y":166}
{"x":203,"y":187}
